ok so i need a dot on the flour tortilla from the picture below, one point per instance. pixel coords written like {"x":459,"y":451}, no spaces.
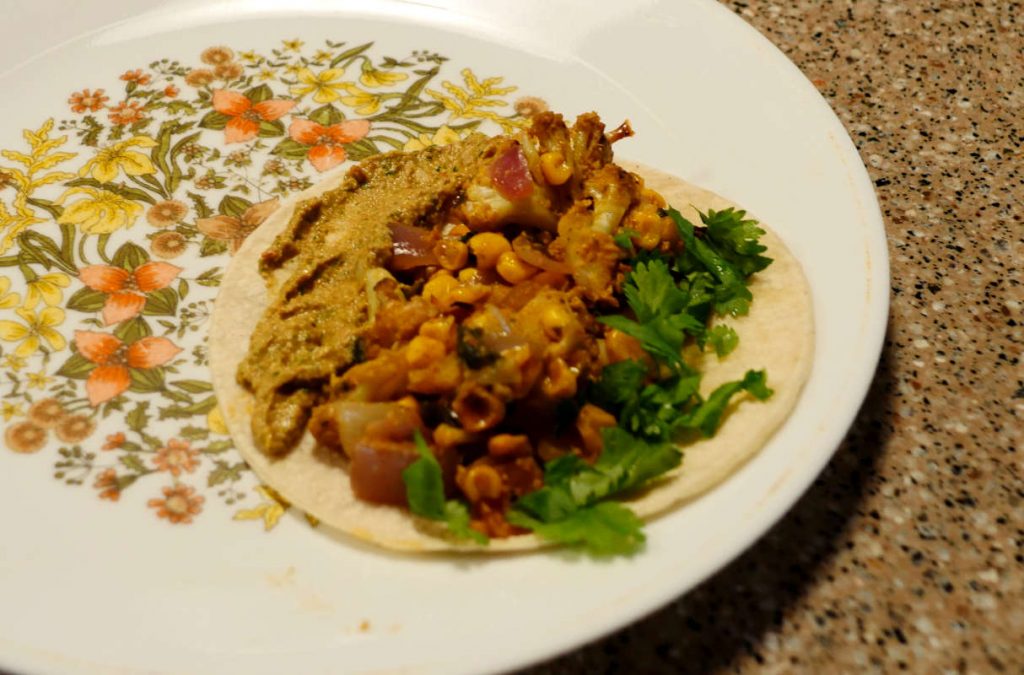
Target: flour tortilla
{"x":777,"y":335}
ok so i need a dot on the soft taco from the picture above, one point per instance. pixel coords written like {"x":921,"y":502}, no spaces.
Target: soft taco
{"x":506,"y":342}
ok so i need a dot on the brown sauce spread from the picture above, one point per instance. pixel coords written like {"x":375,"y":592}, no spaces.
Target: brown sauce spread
{"x":316,"y":270}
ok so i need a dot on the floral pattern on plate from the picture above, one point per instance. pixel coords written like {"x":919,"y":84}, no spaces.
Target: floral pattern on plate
{"x":117,"y":221}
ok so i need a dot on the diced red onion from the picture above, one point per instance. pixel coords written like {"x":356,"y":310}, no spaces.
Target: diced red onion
{"x":411,"y":247}
{"x":354,"y":417}
{"x":511,"y":174}
{"x":376,"y":470}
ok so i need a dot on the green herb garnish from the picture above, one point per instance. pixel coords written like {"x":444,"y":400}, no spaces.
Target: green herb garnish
{"x":424,"y":489}
{"x":671,"y":298}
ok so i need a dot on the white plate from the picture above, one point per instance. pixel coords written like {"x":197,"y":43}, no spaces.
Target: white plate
{"x":92,"y":585}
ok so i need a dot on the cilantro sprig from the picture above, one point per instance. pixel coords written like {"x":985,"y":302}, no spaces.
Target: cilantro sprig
{"x":424,"y":489}
{"x":572,"y":506}
{"x":671,"y":299}
{"x":729,"y":252}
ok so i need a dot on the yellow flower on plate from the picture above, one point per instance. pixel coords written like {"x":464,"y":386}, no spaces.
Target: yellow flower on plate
{"x":100,"y":212}
{"x":321,"y":56}
{"x":8,"y":299}
{"x":294,"y":45}
{"x":110,"y":161}
{"x":269,"y":511}
{"x":249,"y":56}
{"x":11,"y":410}
{"x":363,"y":102}
{"x":475,"y":99}
{"x":373,"y":77}
{"x":325,"y":85}
{"x":38,"y":380}
{"x":443,"y":136}
{"x":46,"y":288}
{"x":36,"y":329}
{"x":215,"y":421}
{"x":267,"y":74}
{"x":15,"y":363}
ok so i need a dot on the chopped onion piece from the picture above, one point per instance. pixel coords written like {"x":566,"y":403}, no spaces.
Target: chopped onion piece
{"x":532,"y":255}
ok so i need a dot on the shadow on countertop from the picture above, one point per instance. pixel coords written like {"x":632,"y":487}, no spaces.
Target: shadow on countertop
{"x":726,"y":618}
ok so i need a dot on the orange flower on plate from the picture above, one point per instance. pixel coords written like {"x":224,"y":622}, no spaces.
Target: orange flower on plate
{"x":87,"y":101}
{"x":168,"y":245}
{"x":246,"y":115}
{"x":113,"y":358}
{"x":233,"y":231}
{"x":179,"y":504}
{"x":47,"y":412}
{"x":328,"y":142}
{"x":127,"y":112}
{"x":175,"y":457}
{"x":25,"y":437}
{"x":75,"y":428}
{"x":115,"y":441}
{"x":216,"y":56}
{"x":136,"y":76}
{"x":106,"y":483}
{"x":127,"y":289}
{"x":199,"y":77}
{"x":170,"y":91}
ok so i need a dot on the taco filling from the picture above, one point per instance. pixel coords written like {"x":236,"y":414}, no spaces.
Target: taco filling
{"x":503,"y":334}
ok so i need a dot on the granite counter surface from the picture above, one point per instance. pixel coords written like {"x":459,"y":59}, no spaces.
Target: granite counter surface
{"x":908,"y":551}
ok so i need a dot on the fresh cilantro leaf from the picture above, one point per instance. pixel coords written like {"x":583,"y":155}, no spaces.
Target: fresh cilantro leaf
{"x":732,"y":295}
{"x":424,"y":485}
{"x":737,"y":239}
{"x":652,"y":292}
{"x":625,"y":463}
{"x":661,"y":337}
{"x":618,"y":384}
{"x":629,"y":462}
{"x":648,"y":410}
{"x":605,"y":528}
{"x":707,"y":415}
{"x":723,"y":339}
{"x":548,"y":504}
{"x":624,"y":239}
{"x":424,"y":490}
{"x":457,"y":516}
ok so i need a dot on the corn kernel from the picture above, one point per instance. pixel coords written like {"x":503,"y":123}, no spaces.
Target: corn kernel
{"x":488,"y":247}
{"x":560,"y":381}
{"x":452,"y":254}
{"x":470,"y":294}
{"x":554,"y":321}
{"x":409,"y":401}
{"x":448,"y":436}
{"x":441,"y":329}
{"x":458,"y":230}
{"x":554,"y":168}
{"x":423,"y":351}
{"x":470,"y":275}
{"x":440,"y":377}
{"x":477,"y":408}
{"x":509,"y":445}
{"x":621,"y":347}
{"x":480,"y":481}
{"x":439,"y":287}
{"x":513,"y":269}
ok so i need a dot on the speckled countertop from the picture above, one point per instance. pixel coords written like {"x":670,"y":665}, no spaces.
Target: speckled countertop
{"x":911,"y":543}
